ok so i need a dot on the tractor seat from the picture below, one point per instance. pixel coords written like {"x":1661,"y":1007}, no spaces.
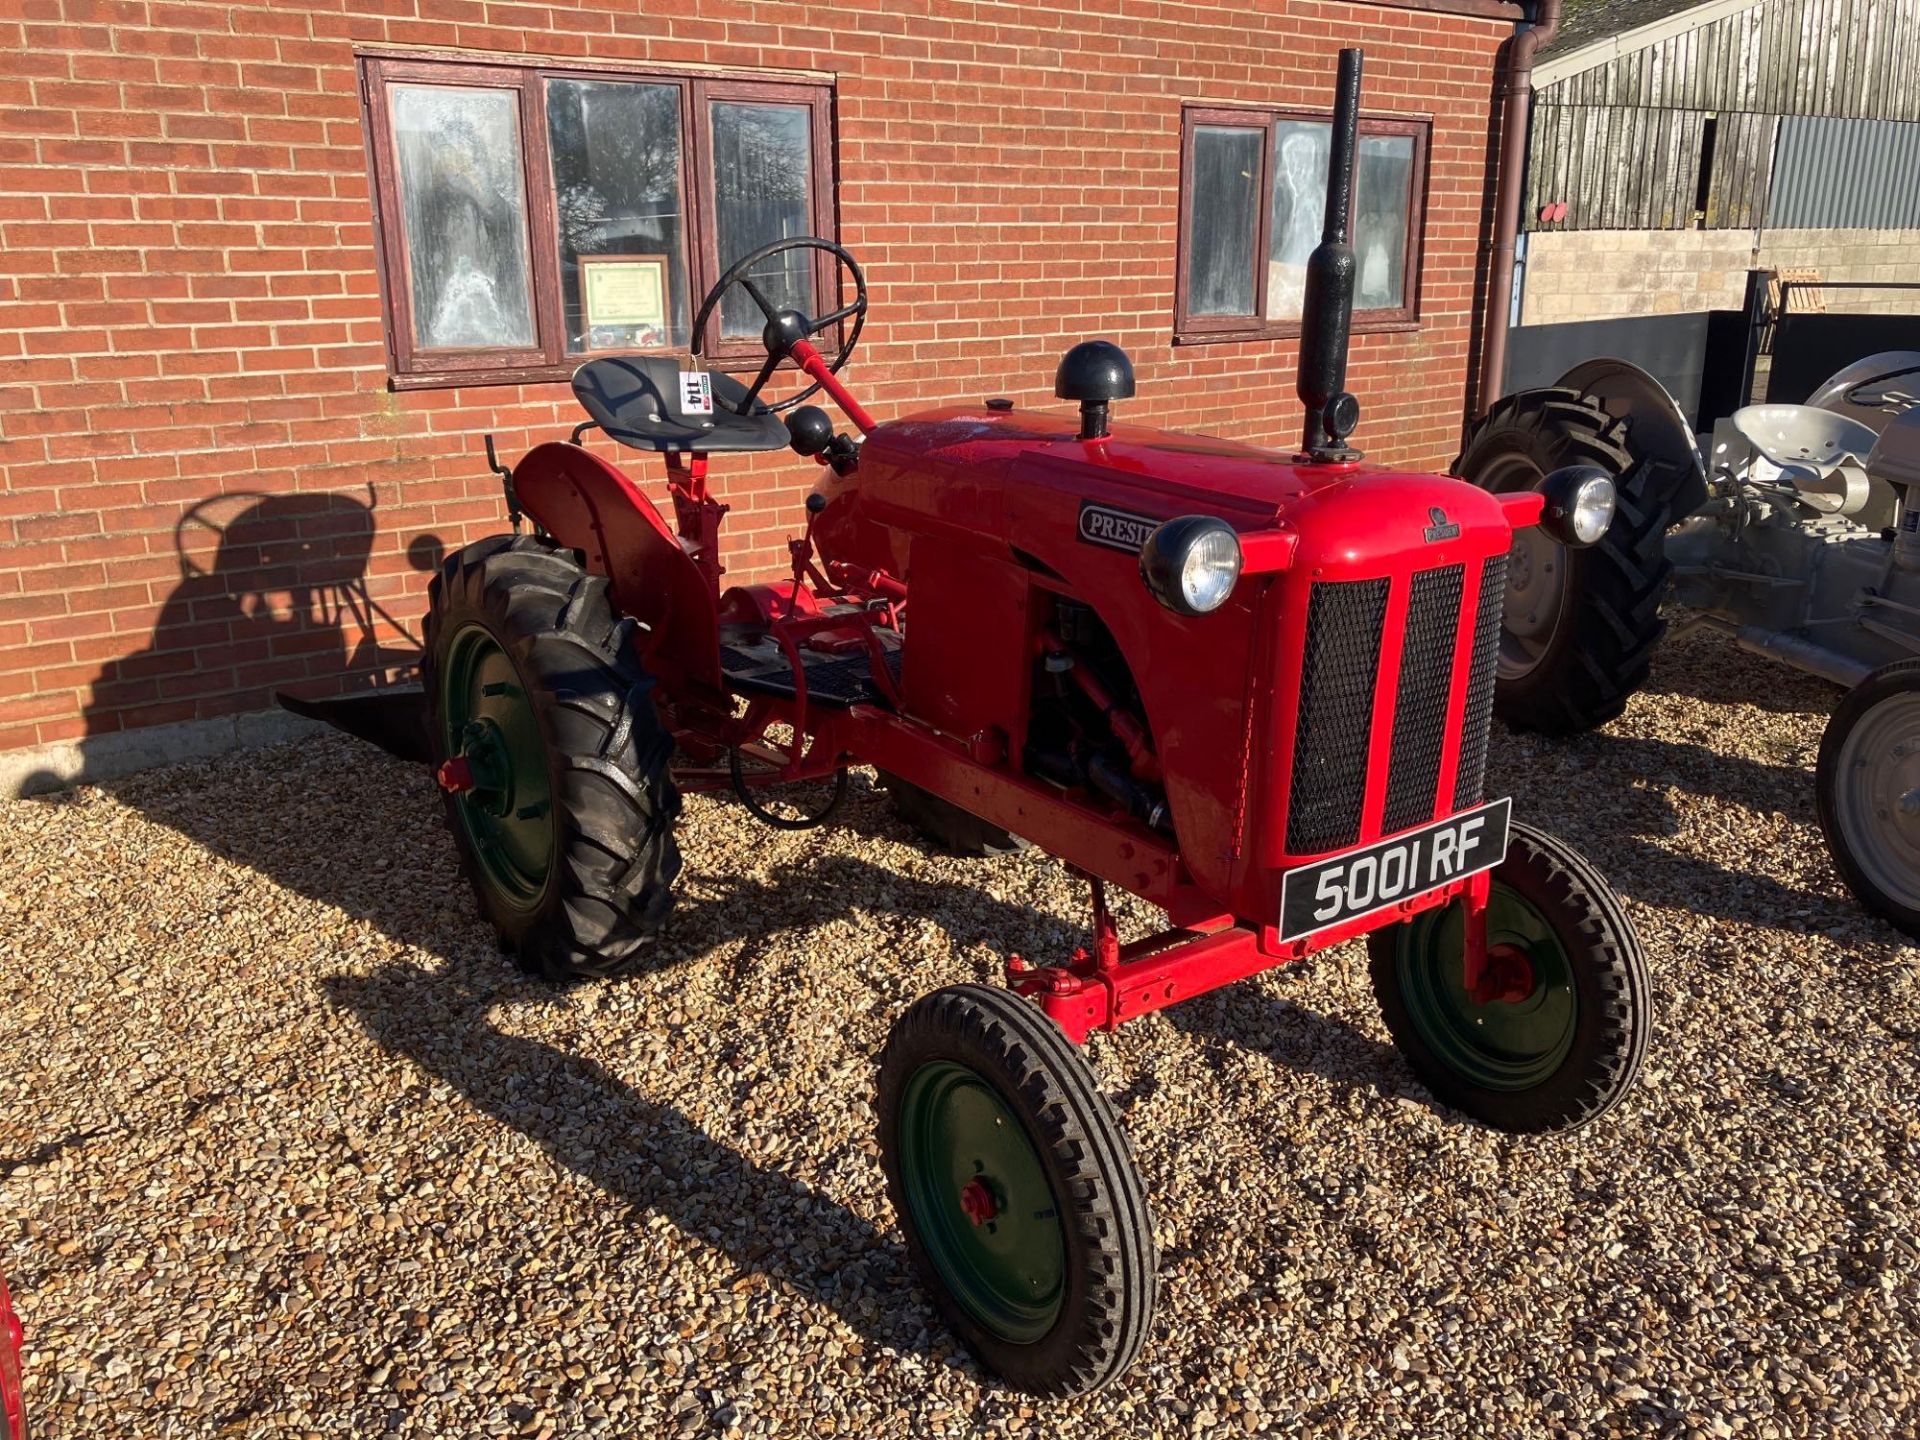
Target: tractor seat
{"x":637,"y":400}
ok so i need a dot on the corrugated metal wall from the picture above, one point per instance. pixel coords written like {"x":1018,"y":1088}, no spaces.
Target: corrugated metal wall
{"x":1861,"y":174}
{"x":1622,"y":143}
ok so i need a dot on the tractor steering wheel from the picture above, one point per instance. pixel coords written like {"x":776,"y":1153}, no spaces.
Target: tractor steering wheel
{"x":786,"y":328}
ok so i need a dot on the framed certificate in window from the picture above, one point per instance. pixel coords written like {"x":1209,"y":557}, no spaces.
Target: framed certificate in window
{"x":623,"y":299}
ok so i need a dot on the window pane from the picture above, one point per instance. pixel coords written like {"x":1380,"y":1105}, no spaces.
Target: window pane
{"x":762,"y":178}
{"x":1385,"y":186}
{"x":464,"y":199}
{"x":1299,"y":207}
{"x":1226,"y":185}
{"x":616,"y":187}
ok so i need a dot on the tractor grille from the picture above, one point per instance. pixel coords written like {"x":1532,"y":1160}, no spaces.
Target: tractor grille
{"x":1420,"y":709}
{"x":1344,"y":620}
{"x":1469,"y":785}
{"x":1340,"y":676}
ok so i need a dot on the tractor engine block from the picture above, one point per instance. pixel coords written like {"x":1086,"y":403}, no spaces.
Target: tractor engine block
{"x":1085,"y":732}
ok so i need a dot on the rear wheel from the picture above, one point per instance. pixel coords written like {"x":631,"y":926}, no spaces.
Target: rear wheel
{"x":1867,"y":789}
{"x":552,"y":759}
{"x":945,"y":824}
{"x":1023,"y":1211}
{"x":1579,"y":626}
{"x":1560,"y":1035}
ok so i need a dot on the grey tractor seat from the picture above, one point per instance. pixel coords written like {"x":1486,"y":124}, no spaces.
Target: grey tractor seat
{"x":636,"y":400}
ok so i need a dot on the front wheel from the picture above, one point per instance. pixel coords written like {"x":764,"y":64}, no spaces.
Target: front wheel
{"x":1023,"y":1211}
{"x":1563,"y":1040}
{"x":1867,"y":790}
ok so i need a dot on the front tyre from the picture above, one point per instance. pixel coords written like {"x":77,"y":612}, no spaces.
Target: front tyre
{"x":1023,"y":1211}
{"x":1565,"y":1038}
{"x":1867,"y":790}
{"x":558,"y":792}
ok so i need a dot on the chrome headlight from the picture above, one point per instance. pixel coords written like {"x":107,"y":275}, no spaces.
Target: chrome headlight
{"x":1190,"y":564}
{"x":1579,"y":508}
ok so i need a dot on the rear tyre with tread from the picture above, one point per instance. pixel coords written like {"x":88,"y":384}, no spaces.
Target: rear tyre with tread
{"x":532,"y":678}
{"x":1046,"y":1271}
{"x":945,"y":824}
{"x":1574,"y":669}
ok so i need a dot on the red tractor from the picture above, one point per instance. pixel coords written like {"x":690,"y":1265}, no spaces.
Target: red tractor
{"x":1252,"y":688}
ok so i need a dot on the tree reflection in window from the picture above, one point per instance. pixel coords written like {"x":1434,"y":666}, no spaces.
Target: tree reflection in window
{"x":1299,"y":210}
{"x":616,"y":185}
{"x":464,"y":198}
{"x":1383,"y":189}
{"x":1226,"y":179}
{"x":530,"y":215}
{"x":1385,"y":184}
{"x":762,"y":155}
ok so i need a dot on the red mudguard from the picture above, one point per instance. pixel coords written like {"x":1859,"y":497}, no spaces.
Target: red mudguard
{"x":585,"y":503}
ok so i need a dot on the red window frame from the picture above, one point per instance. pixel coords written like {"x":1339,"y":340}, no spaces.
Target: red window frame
{"x":411,"y":368}
{"x":1191,"y":329}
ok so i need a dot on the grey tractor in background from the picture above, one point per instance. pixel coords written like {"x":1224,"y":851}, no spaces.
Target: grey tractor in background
{"x":1793,"y":529}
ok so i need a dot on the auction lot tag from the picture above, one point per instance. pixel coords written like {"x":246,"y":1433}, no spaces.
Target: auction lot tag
{"x":696,"y":392}
{"x":1346,"y":886}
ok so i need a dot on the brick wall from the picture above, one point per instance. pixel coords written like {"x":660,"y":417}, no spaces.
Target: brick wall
{"x":207,"y":489}
{"x":1601,"y":274}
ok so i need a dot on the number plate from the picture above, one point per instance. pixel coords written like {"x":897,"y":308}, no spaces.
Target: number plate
{"x":1345,"y":887}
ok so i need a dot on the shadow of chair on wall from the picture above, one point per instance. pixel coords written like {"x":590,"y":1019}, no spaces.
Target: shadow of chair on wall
{"x":273,"y":592}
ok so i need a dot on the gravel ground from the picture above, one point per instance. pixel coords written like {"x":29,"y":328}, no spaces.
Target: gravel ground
{"x":289,"y":1150}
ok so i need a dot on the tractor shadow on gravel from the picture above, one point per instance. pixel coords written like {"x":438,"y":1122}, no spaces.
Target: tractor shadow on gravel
{"x":309,"y":831}
{"x":1650,"y":786}
{"x":449,"y":1011}
{"x":664,"y":1163}
{"x":1249,"y":1016}
{"x":1701,"y":665}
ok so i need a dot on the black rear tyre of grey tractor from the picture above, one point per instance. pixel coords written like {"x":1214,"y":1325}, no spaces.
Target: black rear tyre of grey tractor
{"x":533,"y":679}
{"x":944,"y":824}
{"x":1580,"y":625}
{"x":1867,"y":791}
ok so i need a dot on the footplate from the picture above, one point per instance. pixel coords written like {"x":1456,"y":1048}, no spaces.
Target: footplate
{"x":761,"y":667}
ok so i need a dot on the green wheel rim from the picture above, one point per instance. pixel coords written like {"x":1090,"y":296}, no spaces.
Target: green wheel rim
{"x":1502,"y":1045}
{"x":1009,"y":1272}
{"x":487,"y":719}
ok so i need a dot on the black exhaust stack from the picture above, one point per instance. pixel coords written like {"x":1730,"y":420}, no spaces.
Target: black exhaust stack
{"x":1327,"y":310}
